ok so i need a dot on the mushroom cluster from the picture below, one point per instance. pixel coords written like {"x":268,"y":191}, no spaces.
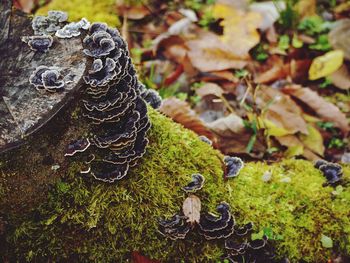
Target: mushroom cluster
{"x":332,"y":171}
{"x":47,"y":78}
{"x":114,"y":105}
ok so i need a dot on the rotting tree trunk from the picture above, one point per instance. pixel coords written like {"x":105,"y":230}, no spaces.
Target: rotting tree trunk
{"x":32,"y":123}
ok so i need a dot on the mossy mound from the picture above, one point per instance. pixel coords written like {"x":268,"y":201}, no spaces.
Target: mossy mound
{"x":93,"y":10}
{"x":86,"y":220}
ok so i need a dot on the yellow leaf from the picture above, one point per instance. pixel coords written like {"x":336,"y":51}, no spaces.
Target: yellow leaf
{"x":240,"y":28}
{"x":325,"y":65}
{"x":314,"y":140}
{"x":294,"y":151}
{"x":272,"y":129}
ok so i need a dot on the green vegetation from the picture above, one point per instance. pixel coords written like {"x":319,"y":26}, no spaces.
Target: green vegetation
{"x":83,"y":219}
{"x":93,"y":10}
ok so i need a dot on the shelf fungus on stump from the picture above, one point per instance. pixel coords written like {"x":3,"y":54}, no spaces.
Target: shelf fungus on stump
{"x":47,"y":78}
{"x":40,"y":43}
{"x":332,"y":171}
{"x":48,"y":25}
{"x":114,"y":105}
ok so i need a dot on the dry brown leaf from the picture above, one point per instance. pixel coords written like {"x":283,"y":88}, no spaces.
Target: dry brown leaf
{"x":227,"y":126}
{"x":209,"y":53}
{"x":138,"y":258}
{"x":135,"y":12}
{"x":192,"y":209}
{"x":324,"y":109}
{"x":341,"y":78}
{"x":306,"y":8}
{"x":181,"y":112}
{"x":339,"y":36}
{"x":239,"y":28}
{"x":281,"y":110}
{"x":210,"y":88}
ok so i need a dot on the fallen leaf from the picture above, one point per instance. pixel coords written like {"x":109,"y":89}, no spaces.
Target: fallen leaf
{"x":192,"y":208}
{"x":326,"y":241}
{"x":134,"y":12}
{"x":294,"y":145}
{"x":341,"y":78}
{"x":240,"y":28}
{"x":339,"y":36}
{"x":227,"y":126}
{"x":209,"y":53}
{"x":326,"y":64}
{"x":282,"y":111}
{"x":313,"y":141}
{"x":324,"y":109}
{"x":306,"y":8}
{"x":181,"y":112}
{"x":210,"y":88}
{"x":138,"y":258}
{"x":269,"y":11}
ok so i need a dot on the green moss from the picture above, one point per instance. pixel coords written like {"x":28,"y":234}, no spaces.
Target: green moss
{"x":86,"y":220}
{"x":93,"y":10}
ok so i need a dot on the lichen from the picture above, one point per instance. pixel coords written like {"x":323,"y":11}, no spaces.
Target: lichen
{"x":93,"y":10}
{"x":86,"y":220}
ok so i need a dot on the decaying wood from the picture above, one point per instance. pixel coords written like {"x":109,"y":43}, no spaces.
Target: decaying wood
{"x":23,"y":109}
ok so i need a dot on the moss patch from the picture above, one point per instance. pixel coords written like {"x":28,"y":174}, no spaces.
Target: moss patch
{"x":93,"y":10}
{"x":86,"y":220}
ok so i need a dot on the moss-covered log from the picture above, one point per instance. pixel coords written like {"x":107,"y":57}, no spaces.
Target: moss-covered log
{"x":51,"y":212}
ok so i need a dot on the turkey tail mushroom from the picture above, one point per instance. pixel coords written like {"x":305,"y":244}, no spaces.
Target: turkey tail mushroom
{"x":114,"y":104}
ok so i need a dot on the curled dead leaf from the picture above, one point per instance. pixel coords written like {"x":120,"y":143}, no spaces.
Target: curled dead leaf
{"x":324,"y":109}
{"x":341,"y":78}
{"x":182,"y":113}
{"x":209,"y":53}
{"x":210,"y":88}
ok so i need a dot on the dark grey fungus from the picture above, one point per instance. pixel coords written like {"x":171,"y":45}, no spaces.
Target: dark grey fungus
{"x":213,"y":226}
{"x":99,"y":44}
{"x":196,"y":183}
{"x":152,"y":98}
{"x":38,"y":43}
{"x":205,"y":139}
{"x":332,"y":171}
{"x":233,"y":166}
{"x":175,"y":227}
{"x":79,"y":145}
{"x":46,"y":78}
{"x":48,"y":25}
{"x":73,"y":29}
{"x":102,"y":72}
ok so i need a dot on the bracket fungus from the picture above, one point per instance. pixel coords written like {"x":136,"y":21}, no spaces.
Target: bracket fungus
{"x":38,"y":43}
{"x":174,"y":228}
{"x":233,"y":166}
{"x":151,"y":97}
{"x":73,"y":29}
{"x":77,"y":146}
{"x":196,"y":183}
{"x":48,"y":25}
{"x":332,"y":171}
{"x":114,"y":105}
{"x":250,"y":252}
{"x":205,"y":139}
{"x":213,"y":226}
{"x":47,"y":78}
